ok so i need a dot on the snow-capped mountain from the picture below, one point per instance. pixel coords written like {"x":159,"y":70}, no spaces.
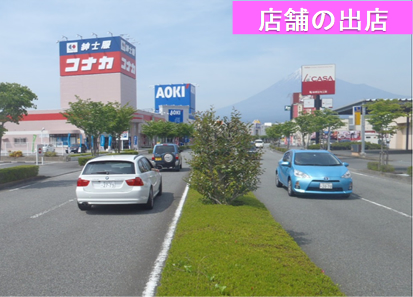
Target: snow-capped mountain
{"x":268,"y":105}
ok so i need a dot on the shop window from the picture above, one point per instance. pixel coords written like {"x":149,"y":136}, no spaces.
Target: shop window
{"x":20,"y":141}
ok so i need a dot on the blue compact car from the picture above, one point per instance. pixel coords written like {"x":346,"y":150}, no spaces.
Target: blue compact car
{"x":313,"y":172}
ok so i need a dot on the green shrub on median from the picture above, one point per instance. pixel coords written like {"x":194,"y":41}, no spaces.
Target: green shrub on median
{"x":18,"y":173}
{"x":377,"y":167}
{"x":409,"y":170}
{"x":83,"y":160}
{"x":237,"y":251}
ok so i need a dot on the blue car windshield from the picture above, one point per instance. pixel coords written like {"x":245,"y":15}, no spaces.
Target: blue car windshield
{"x":315,"y":159}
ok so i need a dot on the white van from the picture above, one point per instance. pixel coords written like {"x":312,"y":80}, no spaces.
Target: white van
{"x":259,"y":143}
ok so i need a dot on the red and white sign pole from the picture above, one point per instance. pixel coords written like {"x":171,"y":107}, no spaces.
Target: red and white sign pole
{"x":39,"y":153}
{"x":318,"y":80}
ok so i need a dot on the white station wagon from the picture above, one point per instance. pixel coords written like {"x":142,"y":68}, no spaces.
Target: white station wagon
{"x":118,"y":179}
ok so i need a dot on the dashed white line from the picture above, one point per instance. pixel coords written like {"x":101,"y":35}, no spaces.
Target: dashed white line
{"x":356,"y":173}
{"x":386,"y":207}
{"x":150,"y":286}
{"x":53,"y":208}
{"x":20,"y":188}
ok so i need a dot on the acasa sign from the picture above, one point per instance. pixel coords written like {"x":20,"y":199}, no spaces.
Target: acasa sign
{"x":173,"y":91}
{"x":318,"y":79}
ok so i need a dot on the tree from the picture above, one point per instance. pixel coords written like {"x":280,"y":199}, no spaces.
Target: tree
{"x":118,"y":119}
{"x":327,"y":119}
{"x":183,"y":130}
{"x":305,"y":125}
{"x":288,"y":129}
{"x":382,"y":115}
{"x":167,"y":129}
{"x":90,"y":116}
{"x":14,"y":101}
{"x":152,"y":129}
{"x":274,"y":132}
{"x":222,"y":169}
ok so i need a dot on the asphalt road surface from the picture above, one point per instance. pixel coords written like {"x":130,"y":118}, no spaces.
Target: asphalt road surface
{"x":364,"y":243}
{"x":51,"y":248}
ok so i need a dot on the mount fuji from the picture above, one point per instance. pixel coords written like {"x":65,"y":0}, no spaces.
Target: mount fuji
{"x":268,"y":105}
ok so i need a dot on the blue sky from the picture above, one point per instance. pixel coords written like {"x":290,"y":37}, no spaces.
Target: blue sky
{"x":188,"y":41}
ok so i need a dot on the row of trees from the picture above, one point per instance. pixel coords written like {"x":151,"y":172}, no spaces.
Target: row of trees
{"x":165,"y":130}
{"x":382,"y":115}
{"x":96,"y":118}
{"x":306,"y":124}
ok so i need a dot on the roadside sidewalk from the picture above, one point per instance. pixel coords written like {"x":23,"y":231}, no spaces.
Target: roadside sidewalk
{"x":399,"y":159}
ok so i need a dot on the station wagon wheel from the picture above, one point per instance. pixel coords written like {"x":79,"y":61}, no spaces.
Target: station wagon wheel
{"x":149,"y":204}
{"x":160,"y":189}
{"x":278,"y":184}
{"x":290,"y":190}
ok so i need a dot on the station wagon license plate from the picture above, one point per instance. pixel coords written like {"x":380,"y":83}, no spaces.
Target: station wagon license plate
{"x":326,"y":185}
{"x":158,"y":159}
{"x":107,"y":184}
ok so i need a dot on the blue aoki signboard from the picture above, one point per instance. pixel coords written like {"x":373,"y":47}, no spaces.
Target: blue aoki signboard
{"x":176,"y":115}
{"x":178,"y":94}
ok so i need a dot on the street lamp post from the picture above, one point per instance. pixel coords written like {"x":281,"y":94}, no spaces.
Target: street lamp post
{"x":41,"y":136}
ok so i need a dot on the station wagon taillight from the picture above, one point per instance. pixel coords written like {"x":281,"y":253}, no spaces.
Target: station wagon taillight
{"x":82,"y":182}
{"x":137,"y":181}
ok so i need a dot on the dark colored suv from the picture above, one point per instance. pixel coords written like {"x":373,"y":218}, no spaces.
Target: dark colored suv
{"x":75,"y":148}
{"x":167,"y":155}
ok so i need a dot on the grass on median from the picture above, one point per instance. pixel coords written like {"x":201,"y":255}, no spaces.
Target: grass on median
{"x":237,"y":251}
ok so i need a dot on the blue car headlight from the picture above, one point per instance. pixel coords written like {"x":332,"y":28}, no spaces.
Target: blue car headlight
{"x":346,"y":175}
{"x":300,"y":174}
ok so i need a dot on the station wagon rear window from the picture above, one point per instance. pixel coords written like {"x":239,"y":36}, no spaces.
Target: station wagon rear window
{"x":109,"y":167}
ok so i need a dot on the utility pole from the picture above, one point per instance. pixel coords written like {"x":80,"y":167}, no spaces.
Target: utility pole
{"x":317,"y":105}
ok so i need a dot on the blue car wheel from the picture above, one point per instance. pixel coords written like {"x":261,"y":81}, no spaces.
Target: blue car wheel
{"x":278,"y":184}
{"x":290,"y":190}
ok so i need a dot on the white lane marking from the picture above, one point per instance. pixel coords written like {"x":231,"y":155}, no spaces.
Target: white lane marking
{"x":386,"y":207}
{"x":150,"y":286}
{"x":352,"y":172}
{"x":20,"y":188}
{"x":53,"y":208}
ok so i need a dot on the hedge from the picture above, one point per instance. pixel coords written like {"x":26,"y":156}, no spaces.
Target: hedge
{"x":377,"y":167}
{"x":409,"y":170}
{"x":18,"y":173}
{"x":345,"y":146}
{"x":83,"y":160}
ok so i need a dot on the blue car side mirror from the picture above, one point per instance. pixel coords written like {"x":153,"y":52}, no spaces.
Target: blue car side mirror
{"x":345,"y":164}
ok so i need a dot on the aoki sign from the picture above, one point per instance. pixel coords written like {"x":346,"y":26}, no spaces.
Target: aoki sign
{"x":175,"y":94}
{"x":176,"y":115}
{"x":173,"y":91}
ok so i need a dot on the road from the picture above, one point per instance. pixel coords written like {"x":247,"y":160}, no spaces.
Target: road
{"x":364,"y":243}
{"x":51,"y":248}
